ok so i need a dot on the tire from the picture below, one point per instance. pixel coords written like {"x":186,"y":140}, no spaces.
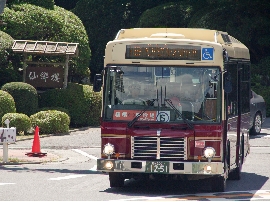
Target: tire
{"x":116,"y":180}
{"x":218,"y":184}
{"x":257,"y":124}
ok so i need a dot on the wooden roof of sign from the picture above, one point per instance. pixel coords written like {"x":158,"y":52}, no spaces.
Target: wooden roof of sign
{"x":45,"y":48}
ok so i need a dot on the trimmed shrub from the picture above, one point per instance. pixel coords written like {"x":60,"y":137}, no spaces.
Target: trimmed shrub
{"x":25,"y":97}
{"x":7,"y":103}
{"x":51,"y":121}
{"x":21,"y":122}
{"x":61,"y":109}
{"x":83,"y":104}
{"x":49,"y":4}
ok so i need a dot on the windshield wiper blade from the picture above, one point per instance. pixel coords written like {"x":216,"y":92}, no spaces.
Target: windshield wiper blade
{"x":190,"y":125}
{"x":141,"y":112}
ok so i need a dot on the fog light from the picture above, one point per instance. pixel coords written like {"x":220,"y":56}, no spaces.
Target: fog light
{"x":108,"y":165}
{"x":208,"y":169}
{"x":209,"y":152}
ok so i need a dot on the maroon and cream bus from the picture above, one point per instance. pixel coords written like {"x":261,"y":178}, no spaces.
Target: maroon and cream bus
{"x":175,"y":106}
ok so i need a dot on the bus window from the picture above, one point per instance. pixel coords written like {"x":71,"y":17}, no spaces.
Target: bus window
{"x":188,"y":90}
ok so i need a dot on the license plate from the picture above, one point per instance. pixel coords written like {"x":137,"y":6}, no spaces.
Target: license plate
{"x":157,"y":167}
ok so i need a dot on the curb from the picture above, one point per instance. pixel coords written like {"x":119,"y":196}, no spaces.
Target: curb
{"x":21,"y":158}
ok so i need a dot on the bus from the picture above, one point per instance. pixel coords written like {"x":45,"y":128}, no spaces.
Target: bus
{"x":175,"y":106}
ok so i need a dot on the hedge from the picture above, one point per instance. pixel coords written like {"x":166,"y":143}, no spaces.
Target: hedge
{"x":7,"y":103}
{"x":25,"y":96}
{"x":51,"y":121}
{"x":83,"y":104}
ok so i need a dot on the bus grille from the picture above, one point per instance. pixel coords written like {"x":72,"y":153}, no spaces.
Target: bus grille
{"x":168,"y":148}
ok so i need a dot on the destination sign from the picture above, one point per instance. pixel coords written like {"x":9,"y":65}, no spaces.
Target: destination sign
{"x":163,"y":52}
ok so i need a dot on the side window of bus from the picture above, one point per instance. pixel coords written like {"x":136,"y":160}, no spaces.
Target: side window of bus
{"x":245,"y":89}
{"x":232,"y":96}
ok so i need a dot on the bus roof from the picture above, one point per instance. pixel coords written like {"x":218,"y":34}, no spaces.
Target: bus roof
{"x":234,"y":47}
{"x":176,"y":33}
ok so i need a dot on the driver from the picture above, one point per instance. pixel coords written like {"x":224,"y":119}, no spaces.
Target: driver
{"x":133,"y":96}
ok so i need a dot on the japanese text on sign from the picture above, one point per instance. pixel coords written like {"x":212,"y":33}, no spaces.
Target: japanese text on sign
{"x":44,"y":76}
{"x":128,"y":115}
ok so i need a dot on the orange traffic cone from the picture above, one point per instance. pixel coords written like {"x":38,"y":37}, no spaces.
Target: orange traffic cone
{"x":36,"y":146}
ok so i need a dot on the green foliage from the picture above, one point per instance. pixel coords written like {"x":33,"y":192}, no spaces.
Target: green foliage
{"x":83,"y":104}
{"x":66,"y":4}
{"x":8,"y":71}
{"x":29,"y":22}
{"x":7,"y":103}
{"x":166,"y":15}
{"x":61,"y":109}
{"x":51,"y":121}
{"x":6,"y":44}
{"x":260,"y":81}
{"x":21,"y":122}
{"x":102,"y":20}
{"x":25,"y":96}
{"x":48,"y":4}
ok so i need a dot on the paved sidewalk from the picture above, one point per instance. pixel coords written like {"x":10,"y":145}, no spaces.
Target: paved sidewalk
{"x":18,"y":156}
{"x":57,"y":147}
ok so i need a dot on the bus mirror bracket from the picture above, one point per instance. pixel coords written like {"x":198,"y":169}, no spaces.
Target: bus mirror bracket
{"x":227,"y":83}
{"x":97,"y":83}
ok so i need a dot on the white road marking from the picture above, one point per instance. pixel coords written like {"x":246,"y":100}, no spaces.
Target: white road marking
{"x":6,"y":183}
{"x":89,"y":156}
{"x":94,"y":168}
{"x":85,"y":154}
{"x":67,"y":177}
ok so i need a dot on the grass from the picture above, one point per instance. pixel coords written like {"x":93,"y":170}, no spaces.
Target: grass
{"x":11,"y":160}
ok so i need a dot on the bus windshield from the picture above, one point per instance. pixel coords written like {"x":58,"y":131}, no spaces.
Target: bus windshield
{"x":162,"y":93}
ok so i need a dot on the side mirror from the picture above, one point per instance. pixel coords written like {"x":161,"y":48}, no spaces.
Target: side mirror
{"x":97,"y":83}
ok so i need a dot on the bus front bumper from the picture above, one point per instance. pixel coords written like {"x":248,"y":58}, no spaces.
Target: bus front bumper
{"x":165,"y":167}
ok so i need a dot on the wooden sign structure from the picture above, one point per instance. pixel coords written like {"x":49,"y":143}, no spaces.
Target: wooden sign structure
{"x":45,"y":74}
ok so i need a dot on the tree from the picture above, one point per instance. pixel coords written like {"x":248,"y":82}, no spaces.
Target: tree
{"x":166,"y":15}
{"x":9,"y":62}
{"x":102,"y":20}
{"x":66,"y":4}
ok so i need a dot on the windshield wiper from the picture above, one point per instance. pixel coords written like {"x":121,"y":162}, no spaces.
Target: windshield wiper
{"x":141,"y":112}
{"x":179,"y":113}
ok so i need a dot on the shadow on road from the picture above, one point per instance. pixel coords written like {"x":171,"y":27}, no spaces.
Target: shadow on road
{"x":261,"y":135}
{"x":167,"y":188}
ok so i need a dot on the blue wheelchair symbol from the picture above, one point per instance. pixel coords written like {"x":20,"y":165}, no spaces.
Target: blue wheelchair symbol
{"x":207,"y":53}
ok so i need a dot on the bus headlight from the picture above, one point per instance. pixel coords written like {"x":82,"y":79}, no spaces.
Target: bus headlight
{"x":108,"y":149}
{"x":209,"y":152}
{"x":109,"y":165}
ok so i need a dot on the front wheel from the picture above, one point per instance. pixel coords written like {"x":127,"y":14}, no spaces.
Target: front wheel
{"x":218,"y":184}
{"x":257,"y":124}
{"x":116,"y":180}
